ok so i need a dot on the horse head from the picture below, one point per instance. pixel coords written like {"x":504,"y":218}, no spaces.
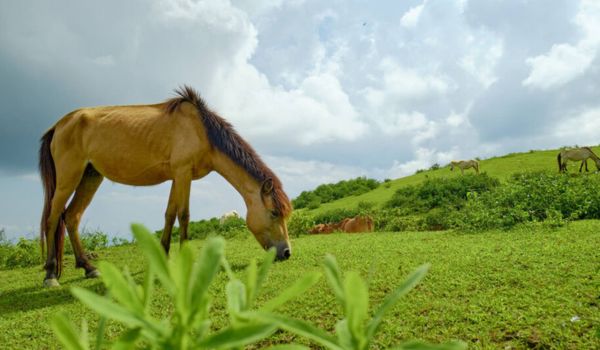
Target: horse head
{"x":267,"y":220}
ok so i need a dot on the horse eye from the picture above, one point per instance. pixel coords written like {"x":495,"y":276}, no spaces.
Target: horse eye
{"x":274,"y":214}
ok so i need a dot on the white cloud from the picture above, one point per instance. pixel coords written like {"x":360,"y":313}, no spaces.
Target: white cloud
{"x":423,"y":159}
{"x":484,"y":52}
{"x":565,"y":62}
{"x":580,"y":128}
{"x":402,"y":84}
{"x":411,"y":17}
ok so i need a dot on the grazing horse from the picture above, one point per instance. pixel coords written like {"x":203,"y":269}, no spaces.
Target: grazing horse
{"x":576,"y":154}
{"x":179,"y":140}
{"x":228,"y":215}
{"x":465,"y":164}
{"x":357,"y":224}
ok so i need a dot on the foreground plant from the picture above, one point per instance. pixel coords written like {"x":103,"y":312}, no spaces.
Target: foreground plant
{"x":186,"y":282}
{"x":356,"y":331}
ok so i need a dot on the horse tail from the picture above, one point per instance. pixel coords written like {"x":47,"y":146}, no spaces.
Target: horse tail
{"x":559,"y":162}
{"x":48,"y":175}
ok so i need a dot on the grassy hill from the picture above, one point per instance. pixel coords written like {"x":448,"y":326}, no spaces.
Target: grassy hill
{"x":500,"y":167}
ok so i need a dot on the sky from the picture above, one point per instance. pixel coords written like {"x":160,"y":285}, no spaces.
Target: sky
{"x":323,"y":90}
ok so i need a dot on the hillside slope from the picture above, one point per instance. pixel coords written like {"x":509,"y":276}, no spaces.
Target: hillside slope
{"x":501,"y":167}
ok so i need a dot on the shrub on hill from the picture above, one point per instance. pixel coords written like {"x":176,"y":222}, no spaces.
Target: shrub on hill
{"x":533,"y":196}
{"x":330,"y":192}
{"x":440,"y":193}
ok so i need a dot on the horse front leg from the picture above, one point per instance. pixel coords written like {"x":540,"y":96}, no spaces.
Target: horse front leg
{"x":183,"y":186}
{"x":170,"y":215}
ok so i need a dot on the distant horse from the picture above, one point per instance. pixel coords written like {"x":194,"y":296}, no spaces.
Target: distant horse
{"x":228,"y":215}
{"x":357,"y":224}
{"x":576,"y":154}
{"x":465,"y":164}
{"x":179,"y":140}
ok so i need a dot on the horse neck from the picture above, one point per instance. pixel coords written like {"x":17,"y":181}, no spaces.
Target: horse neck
{"x":239,"y":178}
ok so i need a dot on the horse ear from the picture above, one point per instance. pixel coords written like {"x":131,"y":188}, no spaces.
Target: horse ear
{"x":267,"y":186}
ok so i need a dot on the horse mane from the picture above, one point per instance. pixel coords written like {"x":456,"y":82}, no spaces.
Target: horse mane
{"x":225,"y":138}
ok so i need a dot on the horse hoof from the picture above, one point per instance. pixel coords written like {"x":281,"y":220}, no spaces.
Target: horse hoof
{"x":92,"y":274}
{"x":51,"y":283}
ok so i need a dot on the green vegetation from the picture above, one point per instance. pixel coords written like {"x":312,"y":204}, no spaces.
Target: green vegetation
{"x":530,"y":287}
{"x":231,"y":227}
{"x":331,"y":192}
{"x":502,"y":168}
{"x":26,"y":252}
{"x":187,"y":283}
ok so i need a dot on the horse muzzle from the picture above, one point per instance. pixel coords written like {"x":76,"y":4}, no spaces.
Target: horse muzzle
{"x":283,"y":251}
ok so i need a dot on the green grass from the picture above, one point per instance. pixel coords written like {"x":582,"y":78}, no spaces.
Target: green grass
{"x":494,"y":290}
{"x":500,"y":167}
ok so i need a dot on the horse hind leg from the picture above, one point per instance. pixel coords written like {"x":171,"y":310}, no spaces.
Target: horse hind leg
{"x":84,"y":193}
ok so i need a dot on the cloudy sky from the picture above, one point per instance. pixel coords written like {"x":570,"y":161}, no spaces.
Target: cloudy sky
{"x":324,"y":90}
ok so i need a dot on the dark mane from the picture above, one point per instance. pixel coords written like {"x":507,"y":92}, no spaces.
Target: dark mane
{"x":223,"y":136}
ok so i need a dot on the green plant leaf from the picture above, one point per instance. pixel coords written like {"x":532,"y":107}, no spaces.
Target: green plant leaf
{"x":251,"y":291}
{"x":334,"y":277}
{"x":418,"y":345}
{"x":357,"y":305}
{"x":155,"y":255}
{"x":67,"y":334}
{"x":127,"y":340}
{"x":263,"y":269}
{"x":205,"y":269}
{"x":299,"y":287}
{"x":238,"y":336}
{"x":301,"y":328}
{"x":288,"y":347}
{"x":344,"y":336}
{"x":106,"y":307}
{"x":408,"y":284}
{"x":119,"y":287}
{"x":236,"y":297}
{"x":181,"y":271}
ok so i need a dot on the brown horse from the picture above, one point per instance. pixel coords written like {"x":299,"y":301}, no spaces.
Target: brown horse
{"x":357,"y":224}
{"x":576,"y":154}
{"x":179,"y":140}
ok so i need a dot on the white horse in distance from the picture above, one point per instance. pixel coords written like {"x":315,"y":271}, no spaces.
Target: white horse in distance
{"x":228,"y":215}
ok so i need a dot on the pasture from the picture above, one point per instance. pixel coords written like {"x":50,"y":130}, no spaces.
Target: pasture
{"x":531,"y":287}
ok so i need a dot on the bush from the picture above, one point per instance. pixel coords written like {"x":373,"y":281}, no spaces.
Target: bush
{"x":441,"y":192}
{"x":329,"y":192}
{"x":300,"y":223}
{"x":533,"y":197}
{"x":25,"y":253}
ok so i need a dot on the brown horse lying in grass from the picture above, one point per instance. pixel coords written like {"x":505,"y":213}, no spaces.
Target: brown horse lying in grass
{"x":349,"y":225}
{"x":179,"y":140}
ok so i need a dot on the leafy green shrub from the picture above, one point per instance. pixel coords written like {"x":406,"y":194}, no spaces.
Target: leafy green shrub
{"x":441,"y":192}
{"x":232,"y":227}
{"x":187,"y":282}
{"x":395,"y":220}
{"x":25,"y":253}
{"x":329,"y":192}
{"x":300,"y":223}
{"x":533,"y":197}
